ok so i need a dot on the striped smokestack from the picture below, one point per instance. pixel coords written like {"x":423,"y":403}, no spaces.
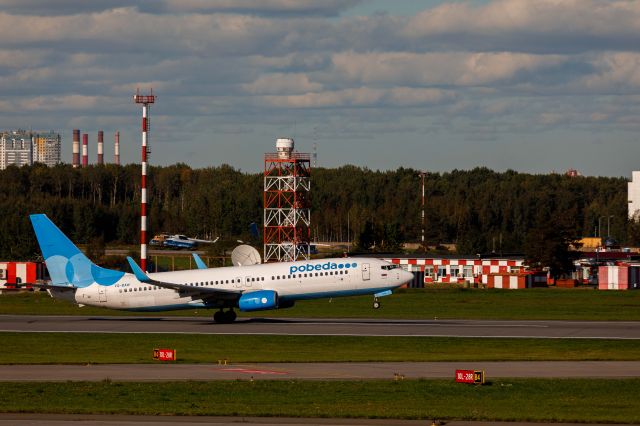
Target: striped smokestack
{"x":75,"y":161}
{"x":116,"y":149}
{"x":100,"y":147}
{"x":85,"y":150}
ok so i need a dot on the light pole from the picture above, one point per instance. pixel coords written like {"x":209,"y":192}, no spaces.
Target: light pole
{"x":608,"y":223}
{"x":599,"y":233}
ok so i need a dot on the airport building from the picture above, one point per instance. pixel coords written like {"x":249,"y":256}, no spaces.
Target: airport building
{"x":608,"y":270}
{"x":492,"y":272}
{"x":16,"y":274}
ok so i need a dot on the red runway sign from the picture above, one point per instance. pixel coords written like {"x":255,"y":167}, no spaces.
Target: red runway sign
{"x":164,"y":354}
{"x":470,"y":376}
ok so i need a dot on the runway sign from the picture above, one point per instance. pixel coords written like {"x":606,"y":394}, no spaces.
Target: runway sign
{"x":470,"y":376}
{"x":164,"y":354}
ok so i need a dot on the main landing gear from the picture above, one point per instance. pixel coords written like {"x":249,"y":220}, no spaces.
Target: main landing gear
{"x":223,"y":317}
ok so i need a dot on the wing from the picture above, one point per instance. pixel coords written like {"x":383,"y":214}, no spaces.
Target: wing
{"x":45,"y":286}
{"x":204,"y":293}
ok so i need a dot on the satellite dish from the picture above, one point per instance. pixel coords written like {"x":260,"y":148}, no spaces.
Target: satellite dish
{"x":245,"y":255}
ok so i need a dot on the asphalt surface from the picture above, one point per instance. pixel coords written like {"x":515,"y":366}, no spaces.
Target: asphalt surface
{"x":124,"y":420}
{"x":325,"y":327}
{"x":316,"y":371}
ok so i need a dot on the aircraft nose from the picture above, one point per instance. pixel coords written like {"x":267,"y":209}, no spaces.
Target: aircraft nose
{"x":406,"y":276}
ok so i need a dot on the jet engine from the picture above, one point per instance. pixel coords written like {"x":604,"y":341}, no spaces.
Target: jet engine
{"x":258,"y":300}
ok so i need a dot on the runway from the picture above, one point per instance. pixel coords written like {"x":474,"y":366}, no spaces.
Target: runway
{"x":324,"y":327}
{"x":316,"y":371}
{"x":26,"y":419}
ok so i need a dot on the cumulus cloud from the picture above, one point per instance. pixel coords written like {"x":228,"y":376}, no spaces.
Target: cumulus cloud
{"x":548,"y":25}
{"x":282,"y":83}
{"x":474,"y":70}
{"x":286,"y":8}
{"x":462,"y":68}
{"x":613,"y":71}
{"x":362,"y":97}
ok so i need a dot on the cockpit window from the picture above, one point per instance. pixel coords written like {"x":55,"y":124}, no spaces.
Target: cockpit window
{"x":389,"y":267}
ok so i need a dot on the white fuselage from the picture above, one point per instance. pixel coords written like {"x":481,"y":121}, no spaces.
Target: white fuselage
{"x":291,"y":281}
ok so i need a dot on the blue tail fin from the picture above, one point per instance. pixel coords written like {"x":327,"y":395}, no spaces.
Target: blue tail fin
{"x":67,"y":265}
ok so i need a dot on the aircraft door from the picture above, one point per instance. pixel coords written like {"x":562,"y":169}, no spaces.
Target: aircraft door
{"x":366,"y":273}
{"x":247,"y":281}
{"x":102,"y":294}
{"x":238,"y":282}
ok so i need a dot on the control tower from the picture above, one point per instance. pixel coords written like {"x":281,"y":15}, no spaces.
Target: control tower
{"x":287,"y":204}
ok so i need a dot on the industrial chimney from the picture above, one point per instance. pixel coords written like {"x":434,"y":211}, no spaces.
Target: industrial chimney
{"x":75,"y":161}
{"x":85,"y":150}
{"x":116,"y":149}
{"x":100,"y":147}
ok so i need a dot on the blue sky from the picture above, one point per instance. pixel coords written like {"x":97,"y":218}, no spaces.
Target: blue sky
{"x":534,"y":86}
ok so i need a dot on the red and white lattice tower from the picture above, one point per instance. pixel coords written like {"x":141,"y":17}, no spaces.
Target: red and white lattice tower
{"x":287,"y":204}
{"x":144,"y":100}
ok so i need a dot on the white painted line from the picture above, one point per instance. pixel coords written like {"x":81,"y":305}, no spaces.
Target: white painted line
{"x":204,"y":333}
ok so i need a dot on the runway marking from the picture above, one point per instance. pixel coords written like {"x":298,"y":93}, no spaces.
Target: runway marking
{"x":225,"y":333}
{"x":248,"y":371}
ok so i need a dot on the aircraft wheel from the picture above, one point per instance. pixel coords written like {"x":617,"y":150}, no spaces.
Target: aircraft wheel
{"x":230,"y":316}
{"x":376,"y":304}
{"x":219,"y":317}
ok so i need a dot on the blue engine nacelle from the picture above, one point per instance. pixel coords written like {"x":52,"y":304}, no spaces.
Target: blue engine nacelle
{"x":258,"y":300}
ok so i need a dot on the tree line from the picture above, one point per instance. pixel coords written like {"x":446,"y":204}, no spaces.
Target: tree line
{"x":479,"y":210}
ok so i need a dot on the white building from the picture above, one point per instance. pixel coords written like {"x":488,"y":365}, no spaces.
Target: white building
{"x":633,"y":196}
{"x":15,"y":148}
{"x":21,"y":148}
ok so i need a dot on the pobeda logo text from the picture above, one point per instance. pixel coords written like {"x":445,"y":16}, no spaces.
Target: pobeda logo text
{"x":321,"y":267}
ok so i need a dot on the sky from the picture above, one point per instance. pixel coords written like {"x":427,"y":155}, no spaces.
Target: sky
{"x":532,"y":86}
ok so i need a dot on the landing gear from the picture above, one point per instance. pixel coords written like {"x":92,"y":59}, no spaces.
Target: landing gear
{"x":376,"y":303}
{"x":223,"y":317}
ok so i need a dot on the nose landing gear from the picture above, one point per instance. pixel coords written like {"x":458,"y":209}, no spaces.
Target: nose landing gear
{"x":223,"y":317}
{"x":376,"y":303}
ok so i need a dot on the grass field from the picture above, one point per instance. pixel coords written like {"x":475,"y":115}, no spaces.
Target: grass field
{"x":533,"y":304}
{"x":41,"y":348}
{"x":591,"y":400}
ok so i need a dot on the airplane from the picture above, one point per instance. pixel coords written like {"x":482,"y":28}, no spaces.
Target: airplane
{"x":248,"y":288}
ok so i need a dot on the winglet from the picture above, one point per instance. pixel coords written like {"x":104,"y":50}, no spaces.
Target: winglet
{"x":139,"y":273}
{"x":199,"y":262}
